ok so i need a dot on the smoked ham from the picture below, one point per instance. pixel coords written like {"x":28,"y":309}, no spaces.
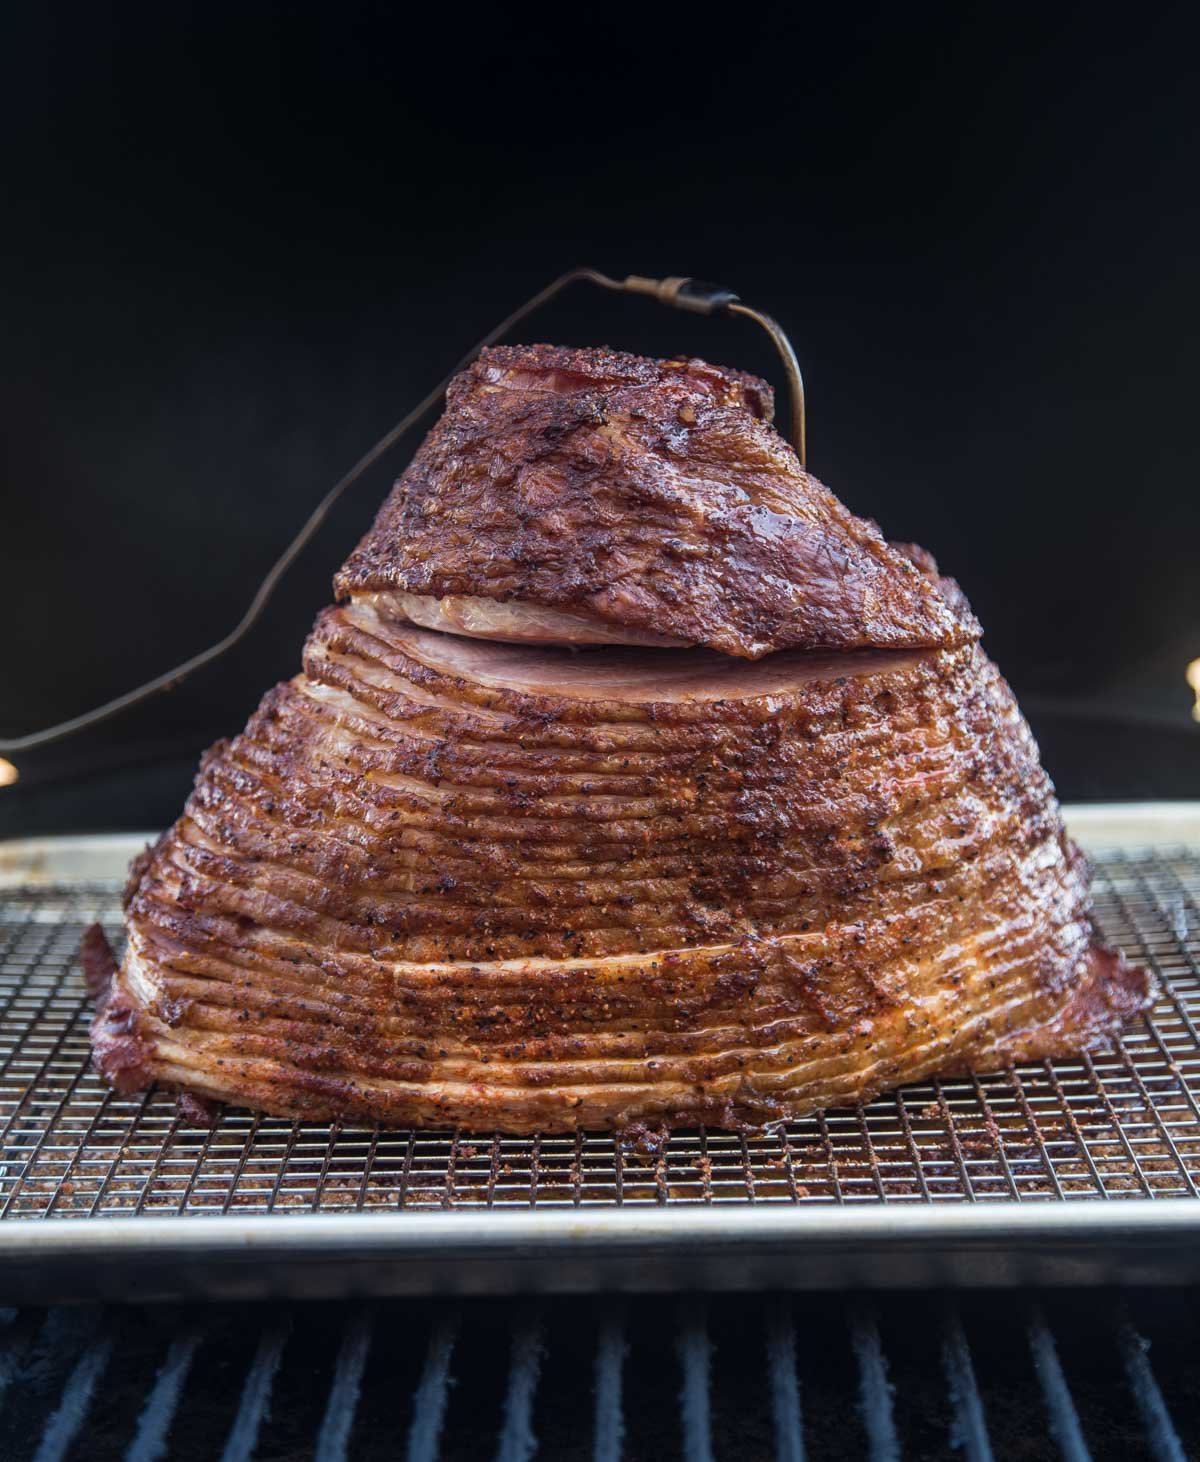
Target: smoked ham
{"x":653,"y":496}
{"x":631,"y":782}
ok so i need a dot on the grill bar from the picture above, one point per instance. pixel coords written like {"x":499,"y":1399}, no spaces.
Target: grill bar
{"x":67,"y":1420}
{"x":610,"y":1365}
{"x":518,"y":1443}
{"x":429,"y":1403}
{"x":785,"y":1389}
{"x":256,"y":1394}
{"x":333,"y":1440}
{"x":150,"y":1442}
{"x":1064,"y":1419}
{"x":1161,"y":1437}
{"x":11,"y":1351}
{"x":970,"y":1425}
{"x":694,"y":1394}
{"x":875,"y":1390}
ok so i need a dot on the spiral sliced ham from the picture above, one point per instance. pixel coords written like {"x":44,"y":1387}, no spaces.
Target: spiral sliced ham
{"x":560,"y":877}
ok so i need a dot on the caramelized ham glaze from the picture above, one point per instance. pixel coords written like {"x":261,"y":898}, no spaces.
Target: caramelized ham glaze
{"x":565,"y":881}
{"x":652,"y":496}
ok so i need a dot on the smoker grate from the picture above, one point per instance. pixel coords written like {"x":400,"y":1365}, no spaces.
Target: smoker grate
{"x":1079,"y":1375}
{"x":1120,"y":1125}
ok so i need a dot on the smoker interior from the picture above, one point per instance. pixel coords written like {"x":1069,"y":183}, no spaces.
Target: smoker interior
{"x":1120,"y":1126}
{"x":1073,"y":1374}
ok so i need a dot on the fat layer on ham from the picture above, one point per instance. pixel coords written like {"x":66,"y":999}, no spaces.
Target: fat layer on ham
{"x":668,"y":844}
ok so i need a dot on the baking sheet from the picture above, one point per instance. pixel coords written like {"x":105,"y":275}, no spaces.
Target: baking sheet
{"x":1067,"y":1172}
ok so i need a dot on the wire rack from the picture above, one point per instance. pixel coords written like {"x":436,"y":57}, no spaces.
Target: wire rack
{"x":1123,"y":1125}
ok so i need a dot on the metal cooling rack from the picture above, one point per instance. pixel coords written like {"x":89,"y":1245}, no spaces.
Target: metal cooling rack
{"x":1068,"y":1136}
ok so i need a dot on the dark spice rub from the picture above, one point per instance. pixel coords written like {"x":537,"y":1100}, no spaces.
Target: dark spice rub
{"x":650,"y":496}
{"x":443,"y":881}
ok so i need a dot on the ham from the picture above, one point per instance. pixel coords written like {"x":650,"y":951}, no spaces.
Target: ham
{"x":563,"y":875}
{"x":511,"y":623}
{"x":652,"y":496}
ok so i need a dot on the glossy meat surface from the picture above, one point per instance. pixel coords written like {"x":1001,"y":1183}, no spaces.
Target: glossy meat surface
{"x":652,"y":496}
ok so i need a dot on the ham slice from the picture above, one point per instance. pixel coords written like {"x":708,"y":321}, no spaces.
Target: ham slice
{"x":512,"y":623}
{"x":544,"y":881}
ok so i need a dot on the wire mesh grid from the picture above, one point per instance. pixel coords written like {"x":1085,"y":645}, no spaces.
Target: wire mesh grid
{"x":1125,"y":1124}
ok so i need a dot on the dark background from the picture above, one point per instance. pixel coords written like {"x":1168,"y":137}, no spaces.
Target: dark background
{"x":239,"y":242}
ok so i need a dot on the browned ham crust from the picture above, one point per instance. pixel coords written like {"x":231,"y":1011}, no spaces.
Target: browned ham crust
{"x":651,"y":495}
{"x":444,"y":881}
{"x":424,"y":886}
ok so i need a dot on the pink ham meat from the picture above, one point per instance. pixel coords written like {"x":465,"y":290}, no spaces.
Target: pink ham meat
{"x":510,"y":623}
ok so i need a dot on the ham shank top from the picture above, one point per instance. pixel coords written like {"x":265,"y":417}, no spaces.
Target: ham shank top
{"x":650,"y":498}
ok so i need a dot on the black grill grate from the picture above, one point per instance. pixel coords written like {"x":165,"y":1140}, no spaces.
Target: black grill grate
{"x":1123,"y":1125}
{"x":980,"y":1376}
